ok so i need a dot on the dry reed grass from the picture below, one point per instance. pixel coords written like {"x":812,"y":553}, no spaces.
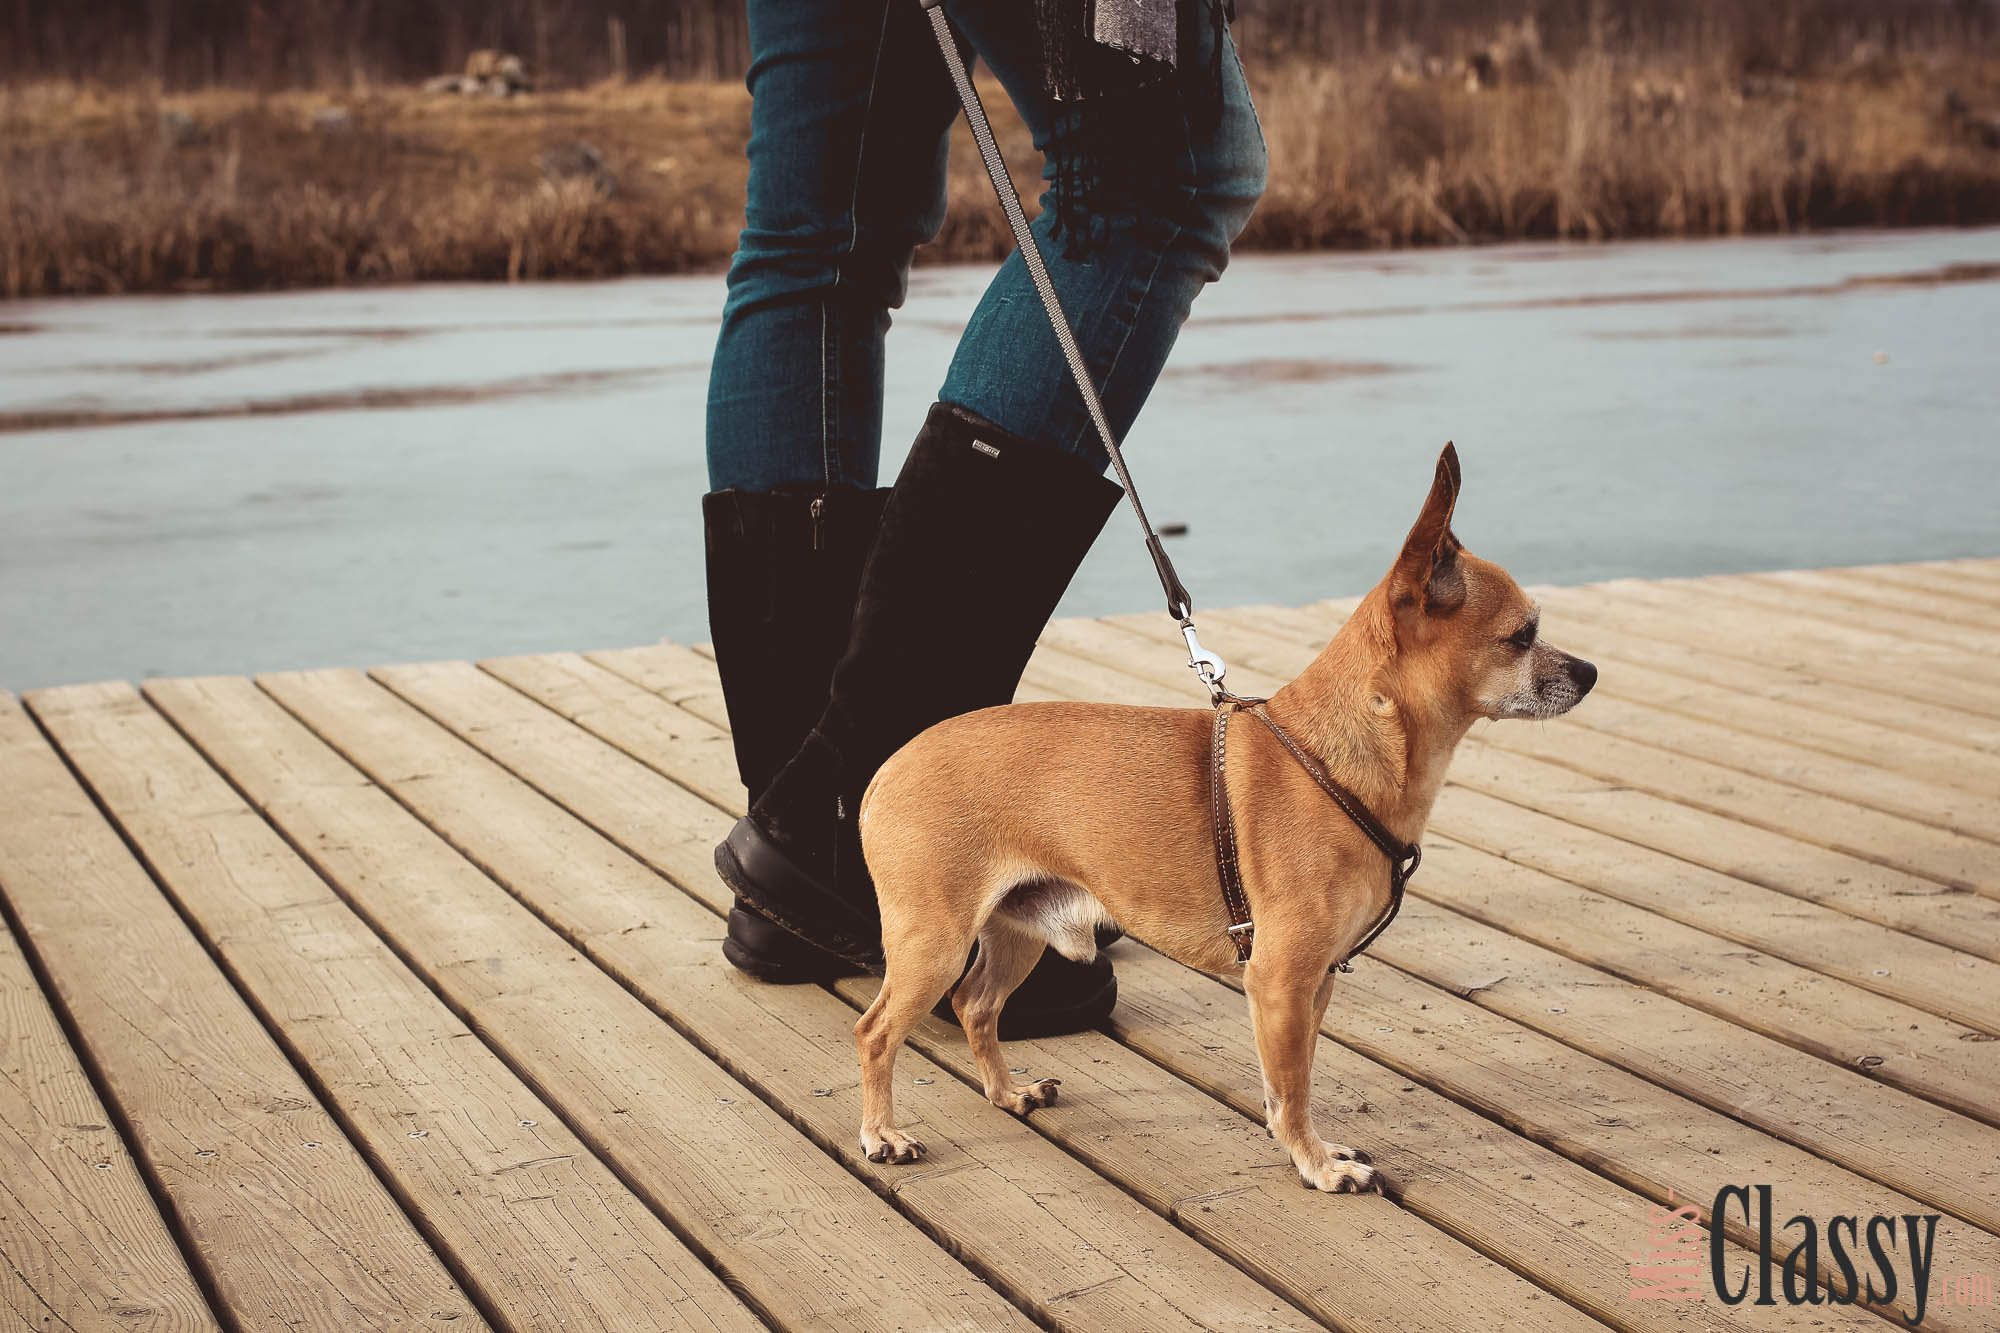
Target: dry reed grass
{"x":108,"y":191}
{"x":1607,"y":149}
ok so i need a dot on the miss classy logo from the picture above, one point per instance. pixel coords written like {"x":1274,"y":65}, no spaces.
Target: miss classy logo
{"x":1852,"y":1257}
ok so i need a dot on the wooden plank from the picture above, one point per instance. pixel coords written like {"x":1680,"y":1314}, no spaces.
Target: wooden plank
{"x":1439,"y":1143}
{"x":987,"y":1179}
{"x":1872,"y":1129}
{"x":1704,"y":1066}
{"x":82,"y":1246}
{"x":1915,"y":904}
{"x":1771,"y":636}
{"x":1641,"y":637}
{"x":1919,"y":1052}
{"x":1969,"y":811}
{"x":1945,"y":982}
{"x":1949,"y":856}
{"x":1810,"y":599}
{"x":1207,"y":1169}
{"x":1622,"y":706}
{"x":536,"y":1224}
{"x":1866,"y":593}
{"x":672,"y":671}
{"x":1970,"y":572}
{"x":599,"y":701}
{"x":1195,"y":1027}
{"x":781,"y":1223}
{"x":675,"y":672}
{"x":1628,"y":1129}
{"x":283,"y":1216}
{"x":1625,"y":742}
{"x":1939,"y":1063}
{"x":1975,"y":565}
{"x":1868,"y":890}
{"x":1886,"y":744}
{"x":1927,"y":580}
{"x":1639,"y":1145}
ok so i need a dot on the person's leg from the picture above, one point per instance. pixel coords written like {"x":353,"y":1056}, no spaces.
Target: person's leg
{"x":1170,"y":203}
{"x":849,"y":124}
{"x":849,"y":120}
{"x":986,"y":523}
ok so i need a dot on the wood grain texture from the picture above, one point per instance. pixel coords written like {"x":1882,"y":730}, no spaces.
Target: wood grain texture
{"x":1926,"y":579}
{"x":1632,"y":1132}
{"x":1770,"y":634}
{"x":541,"y":1229}
{"x":1828,"y":1109}
{"x":988,"y":1184}
{"x":1923,"y":828}
{"x":289,"y":1225}
{"x":82,"y":1246}
{"x":1945,"y":981}
{"x":1642,"y":671}
{"x":1184,"y":1148}
{"x":434,"y":994}
{"x":1458,"y":1173}
{"x":1942,"y":913}
{"x":804,"y":1242}
{"x":1642,"y":636}
{"x":1807,"y":596}
{"x":1638,"y":1133}
{"x":1871,"y":594}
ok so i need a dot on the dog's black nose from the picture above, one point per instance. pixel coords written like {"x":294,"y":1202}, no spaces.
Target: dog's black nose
{"x":1584,"y":674}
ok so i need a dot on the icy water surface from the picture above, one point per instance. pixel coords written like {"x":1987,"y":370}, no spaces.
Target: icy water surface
{"x":237,"y":483}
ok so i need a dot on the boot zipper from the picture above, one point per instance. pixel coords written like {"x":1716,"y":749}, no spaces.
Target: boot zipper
{"x":818,"y":511}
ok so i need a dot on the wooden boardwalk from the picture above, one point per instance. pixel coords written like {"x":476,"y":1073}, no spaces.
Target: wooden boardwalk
{"x":393,"y":1000}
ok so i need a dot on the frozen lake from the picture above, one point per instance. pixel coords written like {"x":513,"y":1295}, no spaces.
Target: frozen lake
{"x":200,"y":484}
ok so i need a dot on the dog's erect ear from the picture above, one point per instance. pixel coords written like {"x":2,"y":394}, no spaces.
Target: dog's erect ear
{"x":1427,"y":577}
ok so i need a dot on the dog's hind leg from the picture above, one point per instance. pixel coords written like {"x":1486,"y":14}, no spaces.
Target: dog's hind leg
{"x":1286,"y":1003}
{"x":1007,"y":953}
{"x":921,"y":968}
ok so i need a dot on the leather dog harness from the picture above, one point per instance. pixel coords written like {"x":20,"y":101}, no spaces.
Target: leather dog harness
{"x":1404,"y":858}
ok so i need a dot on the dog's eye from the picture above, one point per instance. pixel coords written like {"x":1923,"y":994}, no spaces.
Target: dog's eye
{"x":1523,"y":638}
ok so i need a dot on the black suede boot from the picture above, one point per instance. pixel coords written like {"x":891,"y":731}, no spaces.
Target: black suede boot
{"x":980,"y":537}
{"x":783,"y":570}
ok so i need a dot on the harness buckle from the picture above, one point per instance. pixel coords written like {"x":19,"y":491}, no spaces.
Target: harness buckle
{"x":1209,"y":666}
{"x":1239,"y":929}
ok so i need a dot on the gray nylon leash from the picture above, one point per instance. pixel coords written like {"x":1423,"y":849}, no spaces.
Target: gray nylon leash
{"x":1206,"y":664}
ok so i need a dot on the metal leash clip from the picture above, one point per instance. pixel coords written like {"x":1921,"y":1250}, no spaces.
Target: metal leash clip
{"x":1209,"y":666}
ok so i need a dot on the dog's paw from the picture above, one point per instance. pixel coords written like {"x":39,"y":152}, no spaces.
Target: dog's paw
{"x":891,"y":1145}
{"x":1342,"y":1178}
{"x":1342,"y":1152}
{"x":1025,"y":1097}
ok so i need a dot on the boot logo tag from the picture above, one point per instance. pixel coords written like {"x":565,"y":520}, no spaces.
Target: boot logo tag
{"x":985,"y":448}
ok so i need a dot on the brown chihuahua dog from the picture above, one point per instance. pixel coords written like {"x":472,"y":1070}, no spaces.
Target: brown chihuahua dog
{"x":1028,"y":825}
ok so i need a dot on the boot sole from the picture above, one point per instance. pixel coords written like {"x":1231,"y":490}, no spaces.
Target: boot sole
{"x":1017,"y":1024}
{"x":769,"y":952}
{"x":769,"y":883}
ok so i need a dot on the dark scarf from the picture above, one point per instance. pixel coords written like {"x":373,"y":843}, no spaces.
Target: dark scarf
{"x":1119,"y":69}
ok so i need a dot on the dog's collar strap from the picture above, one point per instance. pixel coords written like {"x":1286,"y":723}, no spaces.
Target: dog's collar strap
{"x":1404,"y":858}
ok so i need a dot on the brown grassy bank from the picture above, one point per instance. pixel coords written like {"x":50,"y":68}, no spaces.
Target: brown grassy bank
{"x":105,"y":191}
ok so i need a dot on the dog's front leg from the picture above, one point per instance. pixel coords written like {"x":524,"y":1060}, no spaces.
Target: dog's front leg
{"x":1287,"y":999}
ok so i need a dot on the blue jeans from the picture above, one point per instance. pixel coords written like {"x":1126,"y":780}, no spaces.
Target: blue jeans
{"x":850,"y":117}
